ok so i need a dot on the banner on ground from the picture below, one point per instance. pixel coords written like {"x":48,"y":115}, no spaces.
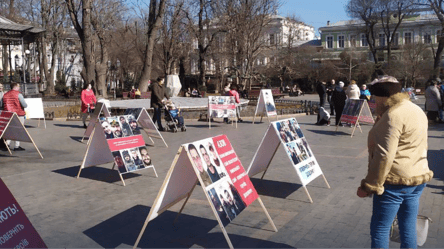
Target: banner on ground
{"x":214,"y":163}
{"x":11,"y":128}
{"x":16,"y":231}
{"x":117,"y":139}
{"x":265,"y":104}
{"x":287,"y":133}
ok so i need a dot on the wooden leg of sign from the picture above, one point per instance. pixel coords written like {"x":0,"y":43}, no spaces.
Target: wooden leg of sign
{"x":155,"y":172}
{"x":325,"y":179}
{"x":186,"y":200}
{"x":121,"y":178}
{"x":151,"y":139}
{"x":354,"y":128}
{"x":209,"y":121}
{"x":266,"y":213}
{"x":268,"y":118}
{"x":44,"y":120}
{"x":7,"y":147}
{"x":254,"y":117}
{"x":359,"y":126}
{"x":80,"y":170}
{"x":337,"y":127}
{"x":309,"y":197}
{"x":38,"y":124}
{"x":86,"y":153}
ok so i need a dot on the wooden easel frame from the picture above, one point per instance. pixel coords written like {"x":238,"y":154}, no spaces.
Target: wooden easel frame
{"x":278,"y":145}
{"x":209,"y":115}
{"x":145,"y":129}
{"x":264,"y":110}
{"x":6,"y":128}
{"x":357,"y":120}
{"x":82,"y":166}
{"x":92,"y":122}
{"x":186,"y":197}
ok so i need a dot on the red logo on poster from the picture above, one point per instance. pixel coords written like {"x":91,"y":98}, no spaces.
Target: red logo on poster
{"x":235,"y":170}
{"x":16,"y":231}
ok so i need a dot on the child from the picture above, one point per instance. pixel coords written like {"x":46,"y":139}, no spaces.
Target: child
{"x":175,"y":113}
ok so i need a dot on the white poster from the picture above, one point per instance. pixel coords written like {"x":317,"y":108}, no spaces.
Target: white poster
{"x":222,"y":106}
{"x":35,"y":108}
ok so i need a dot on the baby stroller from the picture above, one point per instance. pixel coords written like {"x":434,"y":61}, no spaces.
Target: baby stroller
{"x":173,"y":119}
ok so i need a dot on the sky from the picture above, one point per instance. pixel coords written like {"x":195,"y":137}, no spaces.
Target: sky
{"x":315,"y":12}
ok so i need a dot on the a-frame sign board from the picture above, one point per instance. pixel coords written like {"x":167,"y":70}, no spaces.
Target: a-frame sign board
{"x":94,"y":117}
{"x":146,"y":123}
{"x":16,"y":230}
{"x":214,"y":164}
{"x":288,"y":133}
{"x":11,"y":128}
{"x":265,"y":105}
{"x":114,"y":140}
{"x":221,"y":107}
{"x":356,"y":111}
{"x":35,"y":109}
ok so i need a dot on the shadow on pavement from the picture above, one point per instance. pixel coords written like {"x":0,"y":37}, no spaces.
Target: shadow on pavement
{"x":331,"y":133}
{"x":274,"y":188}
{"x":70,"y":126}
{"x":77,"y":138}
{"x":436,"y":158}
{"x":204,"y":125}
{"x":96,"y":173}
{"x":124,"y":228}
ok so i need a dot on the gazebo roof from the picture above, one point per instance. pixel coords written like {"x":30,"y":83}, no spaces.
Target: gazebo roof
{"x":13,"y":33}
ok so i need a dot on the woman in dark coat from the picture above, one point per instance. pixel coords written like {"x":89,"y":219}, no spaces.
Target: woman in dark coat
{"x":338,"y":97}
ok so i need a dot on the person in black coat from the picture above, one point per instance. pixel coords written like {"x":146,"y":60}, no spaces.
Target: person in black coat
{"x":157,"y":95}
{"x":322,"y":92}
{"x":339,"y":97}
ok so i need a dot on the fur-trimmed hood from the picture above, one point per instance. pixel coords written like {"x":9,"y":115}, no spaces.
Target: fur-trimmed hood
{"x":397,"y":99}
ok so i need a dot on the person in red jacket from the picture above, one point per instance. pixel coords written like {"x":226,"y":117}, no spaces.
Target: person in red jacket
{"x":88,"y":102}
{"x":233,"y":92}
{"x":13,"y":101}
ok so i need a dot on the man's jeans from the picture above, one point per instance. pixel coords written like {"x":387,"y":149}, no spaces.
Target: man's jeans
{"x":396,"y":200}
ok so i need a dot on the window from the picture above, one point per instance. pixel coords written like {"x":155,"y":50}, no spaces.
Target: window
{"x":353,"y":41}
{"x":395,"y":40}
{"x":271,"y":39}
{"x":329,"y":41}
{"x":341,"y":40}
{"x":427,"y":38}
{"x":408,"y":38}
{"x":382,"y":40}
{"x":364,"y":42}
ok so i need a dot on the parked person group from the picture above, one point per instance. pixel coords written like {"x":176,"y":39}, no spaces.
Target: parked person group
{"x":89,"y":101}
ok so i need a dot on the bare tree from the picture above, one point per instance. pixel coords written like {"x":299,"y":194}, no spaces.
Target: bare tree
{"x":152,"y":23}
{"x":82,"y":9}
{"x":366,"y":11}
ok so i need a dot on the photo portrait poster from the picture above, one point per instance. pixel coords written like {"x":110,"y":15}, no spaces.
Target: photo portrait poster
{"x":297,"y":149}
{"x":126,"y":143}
{"x":222,"y":106}
{"x":268,"y":101}
{"x":357,"y":110}
{"x":222,"y":176}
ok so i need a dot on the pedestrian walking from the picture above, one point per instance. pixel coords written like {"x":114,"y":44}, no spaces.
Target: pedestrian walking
{"x":88,"y":102}
{"x":353,"y":91}
{"x":397,"y":167}
{"x":157,"y":95}
{"x":13,"y":101}
{"x":330,"y":89}
{"x":322,"y":92}
{"x":338,"y":98}
{"x":433,"y":102}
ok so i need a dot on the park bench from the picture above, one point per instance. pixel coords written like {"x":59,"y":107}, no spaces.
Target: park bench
{"x":254,"y":94}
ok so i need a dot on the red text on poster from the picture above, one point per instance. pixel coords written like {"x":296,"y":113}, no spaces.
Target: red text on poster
{"x":16,"y":231}
{"x":125,"y":143}
{"x":222,"y":107}
{"x":4,"y":120}
{"x":235,"y":169}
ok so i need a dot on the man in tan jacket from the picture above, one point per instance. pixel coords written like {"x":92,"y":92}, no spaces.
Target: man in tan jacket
{"x":397,"y":167}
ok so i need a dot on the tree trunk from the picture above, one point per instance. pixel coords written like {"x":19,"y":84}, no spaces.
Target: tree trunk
{"x":437,"y":60}
{"x":45,"y":64}
{"x":155,"y":19}
{"x":87,"y":43}
{"x":101,"y":78}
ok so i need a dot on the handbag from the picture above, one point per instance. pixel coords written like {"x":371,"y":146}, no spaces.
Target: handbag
{"x":91,"y":108}
{"x":422,"y":229}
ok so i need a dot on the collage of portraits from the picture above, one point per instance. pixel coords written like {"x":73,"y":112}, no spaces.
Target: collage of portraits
{"x":131,"y":159}
{"x":222,"y":106}
{"x":297,"y":148}
{"x":226,"y":199}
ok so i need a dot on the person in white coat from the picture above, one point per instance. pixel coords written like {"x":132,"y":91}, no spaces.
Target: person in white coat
{"x":353,"y":91}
